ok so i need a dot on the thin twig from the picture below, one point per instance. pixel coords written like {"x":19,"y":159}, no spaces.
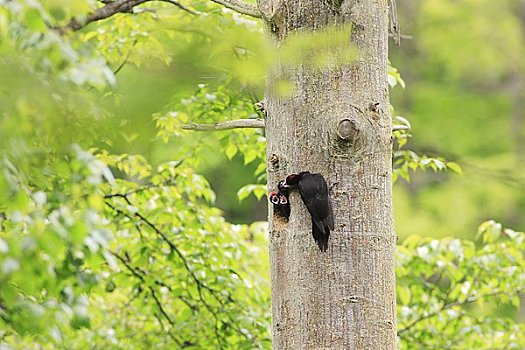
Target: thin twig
{"x":181,"y":6}
{"x":240,"y":7}
{"x":125,"y":59}
{"x":136,"y":190}
{"x":445,"y":307}
{"x":142,"y":279}
{"x":179,"y":343}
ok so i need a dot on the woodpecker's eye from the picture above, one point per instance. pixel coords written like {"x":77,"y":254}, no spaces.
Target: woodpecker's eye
{"x":284,"y":200}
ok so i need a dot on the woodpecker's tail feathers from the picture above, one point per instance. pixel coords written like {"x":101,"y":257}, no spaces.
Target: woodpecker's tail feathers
{"x":321,"y":233}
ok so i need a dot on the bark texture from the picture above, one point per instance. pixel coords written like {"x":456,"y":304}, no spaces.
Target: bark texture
{"x":336,"y":122}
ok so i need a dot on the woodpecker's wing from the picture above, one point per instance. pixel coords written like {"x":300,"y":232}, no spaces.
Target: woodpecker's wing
{"x":314,"y":193}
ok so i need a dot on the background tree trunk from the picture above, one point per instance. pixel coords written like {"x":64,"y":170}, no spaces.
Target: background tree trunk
{"x":343,"y":298}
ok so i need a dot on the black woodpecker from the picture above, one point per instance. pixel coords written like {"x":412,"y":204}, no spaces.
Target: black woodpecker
{"x":314,"y":193}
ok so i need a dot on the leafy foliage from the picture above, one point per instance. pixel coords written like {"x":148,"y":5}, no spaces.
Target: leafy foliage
{"x":207,"y":106}
{"x":406,"y":160}
{"x":450,"y":291}
{"x":86,"y":234}
{"x":47,"y":235}
{"x":110,"y":250}
{"x":151,"y":248}
{"x":183,"y":262}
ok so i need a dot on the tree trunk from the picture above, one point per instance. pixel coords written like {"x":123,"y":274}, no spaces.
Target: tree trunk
{"x":335,"y":122}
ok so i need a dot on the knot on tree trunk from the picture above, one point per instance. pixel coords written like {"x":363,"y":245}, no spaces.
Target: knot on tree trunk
{"x":347,"y":130}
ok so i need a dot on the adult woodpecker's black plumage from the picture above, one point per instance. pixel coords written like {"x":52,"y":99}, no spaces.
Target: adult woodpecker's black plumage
{"x":314,"y":193}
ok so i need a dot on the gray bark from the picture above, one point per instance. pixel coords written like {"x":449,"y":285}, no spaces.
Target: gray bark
{"x":336,"y":122}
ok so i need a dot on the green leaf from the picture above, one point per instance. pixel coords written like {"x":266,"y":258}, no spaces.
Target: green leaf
{"x":454,"y":167}
{"x":230,"y":151}
{"x":249,"y":156}
{"x":244,"y":192}
{"x":34,"y":20}
{"x":259,"y":191}
{"x":403,"y":293}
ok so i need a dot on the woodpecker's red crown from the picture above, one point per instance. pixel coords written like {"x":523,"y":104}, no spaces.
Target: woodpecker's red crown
{"x":292,"y":180}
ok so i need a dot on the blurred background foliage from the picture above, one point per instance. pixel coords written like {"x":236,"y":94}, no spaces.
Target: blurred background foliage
{"x":120,"y":230}
{"x":466,"y":101}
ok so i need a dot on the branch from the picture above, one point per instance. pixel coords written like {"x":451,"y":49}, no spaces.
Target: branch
{"x":112,"y":8}
{"x":245,"y":124}
{"x":402,"y":36}
{"x":227,"y":125}
{"x":240,"y":7}
{"x":104,"y":12}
